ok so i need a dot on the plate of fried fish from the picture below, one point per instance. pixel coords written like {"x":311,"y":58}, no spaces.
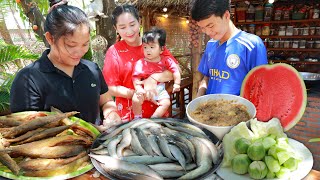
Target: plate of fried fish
{"x":156,"y":149}
{"x":44,"y":145}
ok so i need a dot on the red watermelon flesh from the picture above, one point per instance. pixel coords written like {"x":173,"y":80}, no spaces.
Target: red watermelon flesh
{"x":276,"y":91}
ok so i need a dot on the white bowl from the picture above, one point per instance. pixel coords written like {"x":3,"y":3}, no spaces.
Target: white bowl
{"x":219,"y":131}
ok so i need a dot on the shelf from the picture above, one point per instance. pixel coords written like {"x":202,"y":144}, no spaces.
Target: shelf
{"x":291,"y":37}
{"x":294,"y":49}
{"x":280,"y":22}
{"x":293,"y":62}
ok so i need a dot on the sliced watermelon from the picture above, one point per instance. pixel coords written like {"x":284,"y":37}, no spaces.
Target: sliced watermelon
{"x":276,"y":91}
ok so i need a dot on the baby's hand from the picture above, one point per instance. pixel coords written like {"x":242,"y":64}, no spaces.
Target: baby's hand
{"x":140,"y":92}
{"x":176,"y":88}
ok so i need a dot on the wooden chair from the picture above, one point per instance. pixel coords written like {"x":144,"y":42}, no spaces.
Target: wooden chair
{"x":180,"y":99}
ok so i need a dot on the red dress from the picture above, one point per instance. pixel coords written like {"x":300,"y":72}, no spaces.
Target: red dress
{"x":117,"y":71}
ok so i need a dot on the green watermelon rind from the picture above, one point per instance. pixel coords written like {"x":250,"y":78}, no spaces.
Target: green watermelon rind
{"x":299,"y":114}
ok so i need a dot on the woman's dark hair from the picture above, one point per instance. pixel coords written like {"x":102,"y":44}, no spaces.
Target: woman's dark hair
{"x":155,"y":34}
{"x":203,"y":9}
{"x":124,"y":9}
{"x":63,"y":19}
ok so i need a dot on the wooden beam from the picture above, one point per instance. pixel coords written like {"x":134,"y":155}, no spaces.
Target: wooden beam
{"x":196,"y":53}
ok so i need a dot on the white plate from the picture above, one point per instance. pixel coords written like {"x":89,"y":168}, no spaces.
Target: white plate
{"x":303,"y":170}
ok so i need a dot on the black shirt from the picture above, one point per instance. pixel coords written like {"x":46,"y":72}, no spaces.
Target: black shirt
{"x":40,"y":85}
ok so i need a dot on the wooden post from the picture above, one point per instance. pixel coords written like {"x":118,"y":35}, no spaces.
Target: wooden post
{"x":104,"y":25}
{"x":196,"y":53}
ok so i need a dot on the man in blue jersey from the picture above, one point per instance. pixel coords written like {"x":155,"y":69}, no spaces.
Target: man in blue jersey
{"x":230,"y":54}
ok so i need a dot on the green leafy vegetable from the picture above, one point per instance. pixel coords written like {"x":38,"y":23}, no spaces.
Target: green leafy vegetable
{"x":242,"y":145}
{"x":240,"y":164}
{"x":258,"y":170}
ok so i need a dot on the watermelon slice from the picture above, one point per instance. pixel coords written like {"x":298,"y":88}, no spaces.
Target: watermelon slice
{"x":276,"y":91}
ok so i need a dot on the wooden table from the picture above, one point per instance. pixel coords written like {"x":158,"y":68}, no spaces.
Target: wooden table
{"x":313,"y":175}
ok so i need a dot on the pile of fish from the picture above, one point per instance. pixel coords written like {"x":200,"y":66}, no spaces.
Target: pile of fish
{"x":155,"y":149}
{"x":43,"y":144}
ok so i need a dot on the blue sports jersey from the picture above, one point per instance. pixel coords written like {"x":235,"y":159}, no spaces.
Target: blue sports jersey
{"x":227,"y":64}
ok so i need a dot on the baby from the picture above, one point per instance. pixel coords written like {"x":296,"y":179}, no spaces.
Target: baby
{"x":153,"y":44}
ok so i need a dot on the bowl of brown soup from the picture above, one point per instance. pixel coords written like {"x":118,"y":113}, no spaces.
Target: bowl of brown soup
{"x":220,"y":112}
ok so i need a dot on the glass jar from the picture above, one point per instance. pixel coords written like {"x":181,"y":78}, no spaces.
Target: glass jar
{"x":317,"y":44}
{"x":268,"y":9}
{"x":258,"y":30}
{"x":287,"y":44}
{"x":266,"y":30}
{"x":272,"y":32}
{"x":309,"y":44}
{"x":302,"y":43}
{"x":295,"y":44}
{"x":316,"y":13}
{"x":258,"y":16}
{"x":281,"y":44}
{"x":282,"y":31}
{"x":241,"y":14}
{"x":296,"y":31}
{"x":286,"y":14}
{"x":252,"y":28}
{"x":289,"y":31}
{"x":317,"y":31}
{"x":305,"y":31}
{"x":312,"y":31}
{"x":270,"y":44}
{"x":250,"y":14}
{"x":277,"y":14}
{"x":276,"y":44}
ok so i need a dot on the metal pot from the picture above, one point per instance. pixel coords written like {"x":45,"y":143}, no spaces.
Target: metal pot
{"x":310,"y":79}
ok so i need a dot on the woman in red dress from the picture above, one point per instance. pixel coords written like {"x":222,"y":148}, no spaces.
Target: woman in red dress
{"x":120,"y":60}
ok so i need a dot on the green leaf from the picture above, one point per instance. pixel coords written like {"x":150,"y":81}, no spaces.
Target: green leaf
{"x":314,"y":140}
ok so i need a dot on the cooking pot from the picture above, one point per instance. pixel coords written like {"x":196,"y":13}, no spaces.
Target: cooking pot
{"x":310,"y":79}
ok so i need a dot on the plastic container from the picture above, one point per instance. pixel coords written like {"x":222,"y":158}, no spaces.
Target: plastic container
{"x":289,"y":31}
{"x":282,"y":31}
{"x":296,"y":31}
{"x":276,"y":44}
{"x":250,"y":14}
{"x":241,"y":14}
{"x":268,"y":9}
{"x":258,"y":30}
{"x":295,"y":44}
{"x":258,"y":15}
{"x":305,"y":31}
{"x":252,"y":28}
{"x":270,"y":44}
{"x":265,"y":30}
{"x":281,"y":44}
{"x":286,"y":14}
{"x":309,"y":44}
{"x":278,"y":14}
{"x":312,"y":31}
{"x":316,"y":44}
{"x":302,"y":43}
{"x":316,"y":13}
{"x":287,"y":44}
{"x":317,"y":31}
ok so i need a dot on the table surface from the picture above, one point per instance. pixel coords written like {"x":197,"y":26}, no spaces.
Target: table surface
{"x":313,"y":175}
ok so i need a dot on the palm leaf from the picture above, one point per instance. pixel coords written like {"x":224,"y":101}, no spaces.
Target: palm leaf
{"x":8,"y":55}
